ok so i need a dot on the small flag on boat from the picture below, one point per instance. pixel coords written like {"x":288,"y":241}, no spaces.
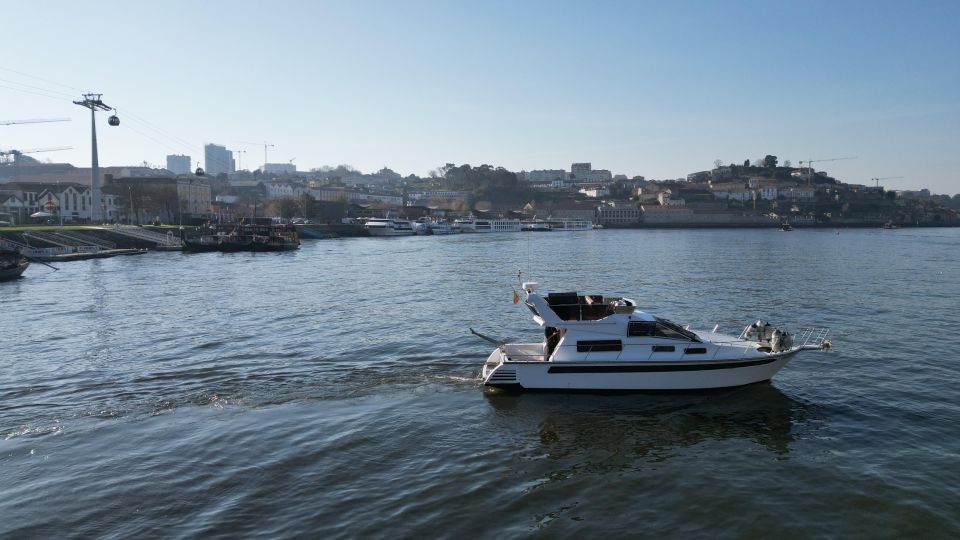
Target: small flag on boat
{"x":516,"y":297}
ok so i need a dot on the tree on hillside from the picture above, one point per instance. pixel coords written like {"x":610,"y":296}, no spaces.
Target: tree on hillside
{"x":161,"y":202}
{"x":746,"y":163}
{"x":285,"y":207}
{"x":787,"y":163}
{"x":494,"y":184}
{"x":769,"y":161}
{"x":717,"y":163}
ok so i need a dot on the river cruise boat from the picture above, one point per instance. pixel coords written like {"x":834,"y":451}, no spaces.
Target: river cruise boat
{"x":570,"y":225}
{"x":592,"y":342}
{"x":389,"y":227}
{"x":535,"y":225}
{"x":12,"y":265}
{"x":487,"y":225}
{"x":249,"y":234}
{"x":431,"y":226}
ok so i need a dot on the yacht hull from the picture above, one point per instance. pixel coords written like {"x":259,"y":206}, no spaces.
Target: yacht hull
{"x":623,"y":375}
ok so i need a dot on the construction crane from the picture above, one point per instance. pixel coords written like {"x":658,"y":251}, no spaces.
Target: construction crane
{"x":810,"y":163}
{"x":32,"y":121}
{"x":265,"y":145}
{"x":877,"y":180}
{"x":7,"y":155}
{"x":17,"y":153}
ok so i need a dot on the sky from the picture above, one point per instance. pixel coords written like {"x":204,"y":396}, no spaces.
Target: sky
{"x":658,"y":89}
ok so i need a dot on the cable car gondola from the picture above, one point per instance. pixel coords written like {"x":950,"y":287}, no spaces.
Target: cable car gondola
{"x":114,"y":120}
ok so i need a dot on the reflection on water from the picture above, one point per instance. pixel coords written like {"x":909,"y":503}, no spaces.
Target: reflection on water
{"x":654,"y":427}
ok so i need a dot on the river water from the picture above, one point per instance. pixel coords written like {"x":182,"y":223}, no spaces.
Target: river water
{"x":332,"y":392}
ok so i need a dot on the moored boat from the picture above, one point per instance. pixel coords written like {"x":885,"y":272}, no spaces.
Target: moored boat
{"x":474,"y":225}
{"x":535,"y":225}
{"x":256,"y":234}
{"x":12,"y":265}
{"x":570,"y":224}
{"x":389,"y":227}
{"x":592,"y":342}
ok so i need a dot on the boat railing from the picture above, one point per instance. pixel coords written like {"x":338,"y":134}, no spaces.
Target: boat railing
{"x":811,"y":337}
{"x":10,"y":245}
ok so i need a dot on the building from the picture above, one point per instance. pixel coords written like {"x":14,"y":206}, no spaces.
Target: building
{"x":580,"y":170}
{"x":545,"y":175}
{"x":178,"y":164}
{"x":618,"y":214}
{"x":665,"y":199}
{"x":73,"y":202}
{"x":798,"y":193}
{"x":194,"y":195}
{"x":584,"y":172}
{"x":333,"y":195}
{"x":165,"y":198}
{"x":666,"y":214}
{"x":14,"y":207}
{"x":276,"y":190}
{"x":217,"y":159}
{"x":702,"y":176}
{"x":731,"y":192}
{"x":278,"y":168}
{"x":595,"y":192}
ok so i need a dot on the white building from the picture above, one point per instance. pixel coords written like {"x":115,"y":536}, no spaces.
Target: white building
{"x":178,"y":164}
{"x":546,"y":175}
{"x":798,"y":193}
{"x":276,"y":190}
{"x":217,"y":159}
{"x":584,"y":172}
{"x":595,"y":192}
{"x":427,"y":195}
{"x":278,"y":168}
{"x":353,"y":196}
{"x":74,"y":203}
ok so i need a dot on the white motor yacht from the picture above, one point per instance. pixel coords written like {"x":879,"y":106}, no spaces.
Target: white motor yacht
{"x":593,"y":342}
{"x":389,"y":227}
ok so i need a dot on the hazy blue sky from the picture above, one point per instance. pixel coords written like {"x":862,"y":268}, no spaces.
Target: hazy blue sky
{"x":653,"y":88}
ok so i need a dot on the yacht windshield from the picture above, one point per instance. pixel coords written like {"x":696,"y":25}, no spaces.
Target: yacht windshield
{"x":659,"y":328}
{"x":668,"y":329}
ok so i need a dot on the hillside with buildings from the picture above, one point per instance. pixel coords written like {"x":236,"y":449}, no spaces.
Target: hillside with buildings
{"x":761,"y":193}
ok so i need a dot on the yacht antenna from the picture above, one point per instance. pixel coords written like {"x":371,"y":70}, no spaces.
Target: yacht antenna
{"x":519,"y":282}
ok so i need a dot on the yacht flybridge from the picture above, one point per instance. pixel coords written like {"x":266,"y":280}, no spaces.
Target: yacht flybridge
{"x":592,"y":342}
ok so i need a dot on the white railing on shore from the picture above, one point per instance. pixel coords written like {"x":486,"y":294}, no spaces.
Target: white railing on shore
{"x":54,"y":251}
{"x":139,"y":232}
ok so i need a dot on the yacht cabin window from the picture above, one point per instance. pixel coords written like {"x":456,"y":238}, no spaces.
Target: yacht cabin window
{"x":661,"y":328}
{"x":600,"y":345}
